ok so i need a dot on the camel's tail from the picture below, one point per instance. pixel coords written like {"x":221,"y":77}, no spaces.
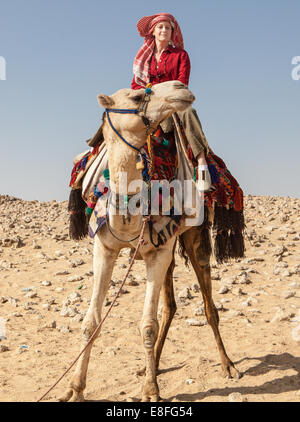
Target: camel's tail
{"x":78,"y":227}
{"x":228,"y":236}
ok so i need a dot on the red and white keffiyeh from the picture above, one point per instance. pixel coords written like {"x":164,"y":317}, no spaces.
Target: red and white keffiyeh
{"x":145,"y":26}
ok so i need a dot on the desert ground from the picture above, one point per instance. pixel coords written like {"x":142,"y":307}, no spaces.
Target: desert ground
{"x":45,"y":286}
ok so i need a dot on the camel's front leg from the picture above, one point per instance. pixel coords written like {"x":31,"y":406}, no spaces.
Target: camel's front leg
{"x":103,"y":263}
{"x":157,"y":263}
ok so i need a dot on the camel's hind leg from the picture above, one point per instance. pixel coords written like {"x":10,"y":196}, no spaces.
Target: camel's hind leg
{"x":103,"y":266}
{"x":201,"y":265}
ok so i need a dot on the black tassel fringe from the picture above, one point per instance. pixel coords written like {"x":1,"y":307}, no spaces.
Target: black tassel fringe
{"x":78,"y":225}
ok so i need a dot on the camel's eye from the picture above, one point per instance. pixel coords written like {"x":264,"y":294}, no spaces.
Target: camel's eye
{"x":137,"y":98}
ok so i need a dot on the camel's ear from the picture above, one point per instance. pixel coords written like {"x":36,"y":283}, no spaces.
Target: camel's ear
{"x":105,"y":101}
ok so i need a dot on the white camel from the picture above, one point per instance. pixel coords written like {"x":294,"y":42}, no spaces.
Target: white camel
{"x":165,"y":99}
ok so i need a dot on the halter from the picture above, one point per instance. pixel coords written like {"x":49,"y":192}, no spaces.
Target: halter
{"x":142,"y":112}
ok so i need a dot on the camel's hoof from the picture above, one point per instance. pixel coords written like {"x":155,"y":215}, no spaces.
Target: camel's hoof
{"x":72,"y":395}
{"x":150,"y":391}
{"x":230,"y":371}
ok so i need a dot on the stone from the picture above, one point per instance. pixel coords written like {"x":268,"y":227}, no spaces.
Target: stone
{"x":13,"y":301}
{"x":195,"y":322}
{"x":76,"y":263}
{"x":196,"y":287}
{"x":223,"y":290}
{"x":185,"y":294}
{"x":199,"y":310}
{"x":288,"y":293}
{"x":282,"y":315}
{"x":236,"y":397}
{"x":64,"y":329}
{"x":62,"y":272}
{"x":75,"y":278}
{"x":3,"y":348}
{"x":74,"y":297}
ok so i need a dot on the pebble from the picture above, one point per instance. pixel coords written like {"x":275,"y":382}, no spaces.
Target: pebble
{"x":75,"y":278}
{"x":244,"y":279}
{"x":63,"y":272}
{"x":185,"y":293}
{"x":223,"y":290}
{"x":31,"y":294}
{"x":195,"y":322}
{"x":199,"y":310}
{"x":51,"y":324}
{"x":190,"y":381}
{"x":77,"y":263}
{"x":13,"y":301}
{"x":133,"y":283}
{"x":282,"y":315}
{"x":296,"y":333}
{"x":68,"y":311}
{"x":288,"y":293}
{"x":78,"y":318}
{"x":236,"y":397}
{"x":74,"y":297}
{"x":46,"y":283}
{"x":3,"y":348}
{"x":16,"y":314}
{"x":196,"y":287}
{"x":64,"y":329}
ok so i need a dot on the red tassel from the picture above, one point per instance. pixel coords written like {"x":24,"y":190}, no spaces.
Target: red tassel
{"x":238,"y":199}
{"x":221,"y":196}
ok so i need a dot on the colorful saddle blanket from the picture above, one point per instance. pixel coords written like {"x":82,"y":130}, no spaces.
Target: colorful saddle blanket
{"x":225,"y":194}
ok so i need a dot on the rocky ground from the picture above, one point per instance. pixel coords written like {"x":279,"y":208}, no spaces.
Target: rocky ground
{"x":46,"y":283}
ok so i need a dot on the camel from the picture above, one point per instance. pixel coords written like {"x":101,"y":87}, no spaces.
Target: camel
{"x":165,"y":99}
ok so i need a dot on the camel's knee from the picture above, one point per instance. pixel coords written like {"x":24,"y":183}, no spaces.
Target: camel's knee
{"x":212,"y":314}
{"x":149,"y":333}
{"x":88,"y":327}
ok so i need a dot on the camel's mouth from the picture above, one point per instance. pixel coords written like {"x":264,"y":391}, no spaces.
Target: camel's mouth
{"x":181,"y":104}
{"x":189,"y":100}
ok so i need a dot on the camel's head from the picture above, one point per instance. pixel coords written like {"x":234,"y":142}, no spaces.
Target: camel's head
{"x":165,"y":99}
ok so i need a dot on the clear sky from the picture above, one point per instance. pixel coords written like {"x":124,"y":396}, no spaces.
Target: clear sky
{"x":60,"y":54}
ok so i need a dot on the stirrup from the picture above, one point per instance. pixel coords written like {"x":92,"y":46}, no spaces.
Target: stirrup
{"x":204,"y":179}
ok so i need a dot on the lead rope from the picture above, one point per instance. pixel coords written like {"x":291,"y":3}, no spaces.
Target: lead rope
{"x":140,"y":242}
{"x":150,"y":151}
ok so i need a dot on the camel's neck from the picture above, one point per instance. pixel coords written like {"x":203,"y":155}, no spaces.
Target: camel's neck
{"x":125,"y":179}
{"x":122,"y":167}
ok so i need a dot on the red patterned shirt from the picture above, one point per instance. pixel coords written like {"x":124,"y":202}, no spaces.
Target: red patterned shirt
{"x":174,"y":65}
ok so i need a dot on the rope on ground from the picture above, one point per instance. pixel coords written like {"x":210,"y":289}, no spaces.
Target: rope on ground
{"x":140,"y":242}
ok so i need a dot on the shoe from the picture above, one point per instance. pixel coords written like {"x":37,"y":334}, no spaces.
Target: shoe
{"x":204,"y":179}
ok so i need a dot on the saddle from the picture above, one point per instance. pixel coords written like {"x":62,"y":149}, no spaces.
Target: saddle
{"x":171,"y":158}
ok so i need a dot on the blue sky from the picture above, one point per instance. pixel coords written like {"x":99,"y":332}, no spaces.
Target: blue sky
{"x":61,"y":54}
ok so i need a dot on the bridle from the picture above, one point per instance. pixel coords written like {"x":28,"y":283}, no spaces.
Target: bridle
{"x":141,"y":111}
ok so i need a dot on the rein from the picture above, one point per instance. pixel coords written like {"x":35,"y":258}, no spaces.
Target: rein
{"x":142,"y":112}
